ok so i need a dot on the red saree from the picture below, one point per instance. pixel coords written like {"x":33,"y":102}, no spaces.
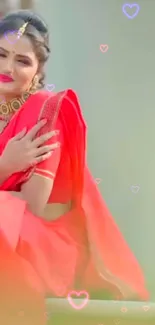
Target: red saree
{"x":83,"y":244}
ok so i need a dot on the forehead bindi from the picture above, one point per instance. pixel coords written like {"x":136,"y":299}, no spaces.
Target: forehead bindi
{"x":22,"y":46}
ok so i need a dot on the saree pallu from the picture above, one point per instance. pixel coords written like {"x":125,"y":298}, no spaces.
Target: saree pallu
{"x":21,"y":298}
{"x":83,"y":245}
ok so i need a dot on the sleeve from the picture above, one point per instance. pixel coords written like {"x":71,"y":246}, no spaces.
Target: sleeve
{"x":48,"y":168}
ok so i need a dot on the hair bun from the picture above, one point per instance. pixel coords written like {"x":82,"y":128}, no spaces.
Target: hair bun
{"x":29,"y":16}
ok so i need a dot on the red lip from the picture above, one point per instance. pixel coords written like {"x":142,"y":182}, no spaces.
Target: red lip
{"x":5,"y":78}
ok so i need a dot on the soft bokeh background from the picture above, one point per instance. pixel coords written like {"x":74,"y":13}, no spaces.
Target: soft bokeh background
{"x":117,"y":94}
{"x":116,"y":89}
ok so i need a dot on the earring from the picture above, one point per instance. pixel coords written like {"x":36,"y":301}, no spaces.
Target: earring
{"x":34,"y":85}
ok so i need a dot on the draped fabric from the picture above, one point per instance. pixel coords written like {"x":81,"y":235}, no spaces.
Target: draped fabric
{"x":84,"y":243}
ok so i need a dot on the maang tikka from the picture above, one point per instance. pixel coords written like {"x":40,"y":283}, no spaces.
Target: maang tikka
{"x":22,"y":30}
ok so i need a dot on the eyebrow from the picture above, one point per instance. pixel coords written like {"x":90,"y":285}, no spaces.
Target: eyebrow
{"x":20,"y":55}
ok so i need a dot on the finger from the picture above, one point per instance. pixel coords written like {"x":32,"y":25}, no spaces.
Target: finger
{"x":19,"y":136}
{"x":31,"y":134}
{"x":43,"y":138}
{"x":43,"y":157}
{"x":43,"y":150}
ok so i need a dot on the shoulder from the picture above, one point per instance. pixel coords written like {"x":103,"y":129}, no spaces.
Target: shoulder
{"x":67,"y":93}
{"x":56,"y":99}
{"x":66,"y":101}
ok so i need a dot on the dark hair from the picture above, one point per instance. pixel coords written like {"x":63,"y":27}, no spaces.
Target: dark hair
{"x":36,"y":30}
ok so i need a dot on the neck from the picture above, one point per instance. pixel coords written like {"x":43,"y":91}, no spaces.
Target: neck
{"x":8,"y":97}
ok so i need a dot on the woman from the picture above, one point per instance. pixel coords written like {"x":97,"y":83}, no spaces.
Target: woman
{"x":56,"y":231}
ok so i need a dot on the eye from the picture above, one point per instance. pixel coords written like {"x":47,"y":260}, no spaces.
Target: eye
{"x":24,"y":62}
{"x":2,"y":55}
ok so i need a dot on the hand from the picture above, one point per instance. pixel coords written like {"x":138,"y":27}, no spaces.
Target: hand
{"x":23,"y":151}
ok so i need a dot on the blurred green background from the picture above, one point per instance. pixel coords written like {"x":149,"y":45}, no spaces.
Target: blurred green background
{"x":117,"y":94}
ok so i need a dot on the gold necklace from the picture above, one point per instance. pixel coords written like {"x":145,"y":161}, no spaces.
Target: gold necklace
{"x":7,"y":109}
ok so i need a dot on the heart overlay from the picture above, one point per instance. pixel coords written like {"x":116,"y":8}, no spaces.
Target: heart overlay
{"x":131,"y":10}
{"x":50,"y":87}
{"x":146,"y":308}
{"x":98,"y":180}
{"x":135,"y":188}
{"x":104,"y":48}
{"x":124,"y":309}
{"x":78,"y":294}
{"x":8,"y":36}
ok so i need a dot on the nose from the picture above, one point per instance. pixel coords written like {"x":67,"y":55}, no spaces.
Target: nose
{"x":8,"y":67}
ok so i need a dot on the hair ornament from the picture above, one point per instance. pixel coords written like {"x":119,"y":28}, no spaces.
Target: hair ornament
{"x":21,"y":30}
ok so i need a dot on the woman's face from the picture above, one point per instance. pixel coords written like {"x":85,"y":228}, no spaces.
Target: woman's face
{"x":18,"y":61}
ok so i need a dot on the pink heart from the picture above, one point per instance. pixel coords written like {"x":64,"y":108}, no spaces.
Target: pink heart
{"x":104,"y":48}
{"x":78,"y":294}
{"x":123,"y":309}
{"x":98,"y":180}
{"x":146,"y":308}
